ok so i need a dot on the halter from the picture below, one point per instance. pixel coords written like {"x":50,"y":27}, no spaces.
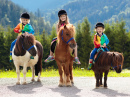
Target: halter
{"x":115,"y":66}
{"x":27,"y":49}
{"x":68,"y":40}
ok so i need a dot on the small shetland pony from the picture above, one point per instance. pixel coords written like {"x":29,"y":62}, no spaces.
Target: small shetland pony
{"x":25,"y":46}
{"x":63,"y":51}
{"x":104,"y":62}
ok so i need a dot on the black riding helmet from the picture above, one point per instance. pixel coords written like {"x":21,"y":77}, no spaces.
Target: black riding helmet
{"x":100,"y":25}
{"x":61,"y":12}
{"x":25,"y":15}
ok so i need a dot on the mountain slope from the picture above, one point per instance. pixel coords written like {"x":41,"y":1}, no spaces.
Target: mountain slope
{"x":10,"y":15}
{"x":45,"y":5}
{"x":99,"y":11}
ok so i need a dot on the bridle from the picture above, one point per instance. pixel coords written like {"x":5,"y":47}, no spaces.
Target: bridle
{"x":27,"y":49}
{"x":63,"y":39}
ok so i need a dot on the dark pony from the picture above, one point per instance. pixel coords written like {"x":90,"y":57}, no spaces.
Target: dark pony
{"x":25,"y":47}
{"x":63,"y":51}
{"x":103,"y":62}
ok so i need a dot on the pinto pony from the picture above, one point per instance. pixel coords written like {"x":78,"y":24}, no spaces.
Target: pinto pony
{"x":25,"y":46}
{"x":63,"y":51}
{"x":105,"y":60}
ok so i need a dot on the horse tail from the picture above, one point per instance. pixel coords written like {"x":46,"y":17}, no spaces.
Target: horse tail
{"x":38,"y":66}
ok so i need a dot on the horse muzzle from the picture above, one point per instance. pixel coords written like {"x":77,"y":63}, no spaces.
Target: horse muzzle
{"x":118,"y":70}
{"x":72,"y":45}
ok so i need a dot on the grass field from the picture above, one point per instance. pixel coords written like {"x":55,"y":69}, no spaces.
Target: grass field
{"x":54,"y":73}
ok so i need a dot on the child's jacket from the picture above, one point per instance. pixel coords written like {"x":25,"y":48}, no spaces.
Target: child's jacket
{"x":100,"y":40}
{"x":27,"y":28}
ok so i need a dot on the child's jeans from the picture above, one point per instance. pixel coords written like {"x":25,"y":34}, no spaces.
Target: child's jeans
{"x":94,"y":52}
{"x":12,"y":45}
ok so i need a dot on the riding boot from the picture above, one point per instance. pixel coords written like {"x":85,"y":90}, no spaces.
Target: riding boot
{"x":31,"y":57}
{"x":10,"y":58}
{"x":90,"y":65}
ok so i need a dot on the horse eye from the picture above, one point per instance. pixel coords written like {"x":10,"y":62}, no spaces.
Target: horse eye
{"x":67,"y":34}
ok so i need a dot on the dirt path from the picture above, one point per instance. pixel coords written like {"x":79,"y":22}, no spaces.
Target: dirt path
{"x":48,"y":87}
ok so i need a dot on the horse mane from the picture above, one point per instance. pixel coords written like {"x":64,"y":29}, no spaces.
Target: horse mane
{"x":66,"y":28}
{"x":29,"y":39}
{"x":108,"y":58}
{"x":118,"y":58}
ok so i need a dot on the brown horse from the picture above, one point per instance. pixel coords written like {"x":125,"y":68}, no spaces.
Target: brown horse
{"x":64,"y":48}
{"x":103,"y":62}
{"x":27,"y":46}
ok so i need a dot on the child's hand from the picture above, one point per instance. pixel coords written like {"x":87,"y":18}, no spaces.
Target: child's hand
{"x":20,"y":30}
{"x":101,"y":46}
{"x":104,"y":44}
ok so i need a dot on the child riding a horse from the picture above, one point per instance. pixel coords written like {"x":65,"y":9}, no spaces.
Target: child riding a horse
{"x":63,"y":20}
{"x":22,"y":27}
{"x":100,"y":40}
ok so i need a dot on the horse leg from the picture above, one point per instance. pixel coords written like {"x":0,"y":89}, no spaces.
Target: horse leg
{"x":33,"y":75}
{"x":67,"y":73}
{"x":38,"y":80}
{"x":105,"y":79}
{"x":71,"y":72}
{"x":24,"y":74}
{"x":18,"y":74}
{"x":101,"y":79}
{"x":97,"y":75}
{"x":60,"y":73}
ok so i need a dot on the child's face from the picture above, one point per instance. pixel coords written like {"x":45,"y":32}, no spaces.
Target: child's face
{"x":25,"y":21}
{"x":100,"y":30}
{"x":63,"y":18}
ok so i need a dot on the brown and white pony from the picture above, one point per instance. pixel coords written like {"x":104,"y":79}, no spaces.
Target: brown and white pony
{"x":103,"y":62}
{"x":64,"y":48}
{"x":25,"y":46}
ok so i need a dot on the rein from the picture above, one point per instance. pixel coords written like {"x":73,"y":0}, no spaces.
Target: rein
{"x":68,"y":40}
{"x":98,"y":56}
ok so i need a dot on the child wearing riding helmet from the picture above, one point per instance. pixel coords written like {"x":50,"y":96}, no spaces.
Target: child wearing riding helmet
{"x":22,"y":27}
{"x":63,"y":20}
{"x":100,"y":40}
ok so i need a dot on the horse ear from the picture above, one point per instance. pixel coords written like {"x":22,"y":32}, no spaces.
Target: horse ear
{"x":113,"y":54}
{"x":65,"y":27}
{"x":23,"y":36}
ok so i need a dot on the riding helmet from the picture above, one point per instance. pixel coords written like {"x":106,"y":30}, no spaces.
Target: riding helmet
{"x":25,"y":15}
{"x":61,"y":12}
{"x":99,"y":25}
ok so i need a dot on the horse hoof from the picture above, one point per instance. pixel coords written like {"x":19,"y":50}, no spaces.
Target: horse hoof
{"x":60,"y":85}
{"x":18,"y":83}
{"x":38,"y":80}
{"x":105,"y":87}
{"x":24,"y":83}
{"x":97,"y":87}
{"x":101,"y":85}
{"x":72,"y":82}
{"x":33,"y":80}
{"x":68,"y":85}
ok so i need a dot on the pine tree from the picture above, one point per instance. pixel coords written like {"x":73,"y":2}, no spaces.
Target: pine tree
{"x":1,"y":48}
{"x":86,"y":42}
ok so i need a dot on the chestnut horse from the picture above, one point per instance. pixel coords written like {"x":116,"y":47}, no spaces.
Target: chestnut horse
{"x":103,"y":62}
{"x":63,"y":57}
{"x":27,"y":46}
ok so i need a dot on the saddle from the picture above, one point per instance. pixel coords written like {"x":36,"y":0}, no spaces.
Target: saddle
{"x":53,"y":47}
{"x":100,"y":49}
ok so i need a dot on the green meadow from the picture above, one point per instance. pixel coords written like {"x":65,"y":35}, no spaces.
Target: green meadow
{"x":54,"y":73}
